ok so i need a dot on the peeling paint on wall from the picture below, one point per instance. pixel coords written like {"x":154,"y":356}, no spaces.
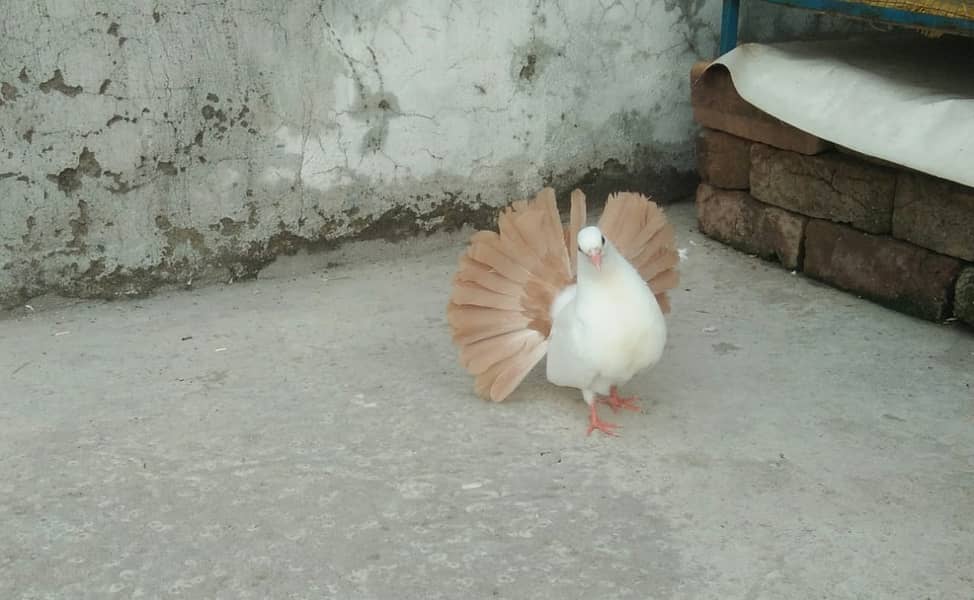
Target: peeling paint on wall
{"x":146,"y":145}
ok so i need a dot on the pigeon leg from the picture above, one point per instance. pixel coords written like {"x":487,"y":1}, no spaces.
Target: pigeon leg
{"x":616,"y":402}
{"x":594,"y":422}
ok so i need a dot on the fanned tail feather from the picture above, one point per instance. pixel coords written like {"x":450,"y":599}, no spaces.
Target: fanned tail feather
{"x":502,"y":294}
{"x":500,"y":305}
{"x":577,"y":220}
{"x":638,"y":228}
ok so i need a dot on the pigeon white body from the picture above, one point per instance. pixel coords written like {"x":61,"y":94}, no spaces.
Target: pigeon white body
{"x":606,"y":328}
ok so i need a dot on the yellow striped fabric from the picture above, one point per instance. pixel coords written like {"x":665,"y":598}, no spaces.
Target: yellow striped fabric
{"x":960,"y":9}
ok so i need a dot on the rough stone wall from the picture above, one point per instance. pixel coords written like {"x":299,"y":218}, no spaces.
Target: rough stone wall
{"x":149,"y":143}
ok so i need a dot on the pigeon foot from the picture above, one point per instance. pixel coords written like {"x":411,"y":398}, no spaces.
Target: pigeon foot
{"x":616,"y":402}
{"x":596,"y":423}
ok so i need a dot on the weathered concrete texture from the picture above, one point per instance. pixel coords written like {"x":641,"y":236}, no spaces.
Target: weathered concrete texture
{"x":829,"y":186}
{"x":900,"y":275}
{"x":795,"y":442}
{"x":737,"y":219}
{"x":153,"y":143}
{"x":935,"y":214}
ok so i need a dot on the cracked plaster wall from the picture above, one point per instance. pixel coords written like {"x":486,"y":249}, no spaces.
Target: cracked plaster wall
{"x":161,"y":142}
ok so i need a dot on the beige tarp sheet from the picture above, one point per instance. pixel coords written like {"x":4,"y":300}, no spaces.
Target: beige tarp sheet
{"x":910,"y":103}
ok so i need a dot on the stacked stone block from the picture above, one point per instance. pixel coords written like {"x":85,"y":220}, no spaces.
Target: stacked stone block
{"x":900,"y":238}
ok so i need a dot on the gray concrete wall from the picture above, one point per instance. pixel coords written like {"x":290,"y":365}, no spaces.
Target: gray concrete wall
{"x":149,"y":143}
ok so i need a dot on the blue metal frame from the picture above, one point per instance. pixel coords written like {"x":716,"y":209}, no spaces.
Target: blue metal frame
{"x":728,"y":25}
{"x":895,"y":16}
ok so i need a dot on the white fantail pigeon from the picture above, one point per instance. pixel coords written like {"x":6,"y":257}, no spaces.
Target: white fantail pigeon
{"x":590,"y":298}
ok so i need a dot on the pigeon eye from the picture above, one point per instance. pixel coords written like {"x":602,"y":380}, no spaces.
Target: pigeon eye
{"x":603,"y":240}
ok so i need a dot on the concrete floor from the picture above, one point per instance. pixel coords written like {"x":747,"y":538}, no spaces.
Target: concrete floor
{"x":310,"y":435}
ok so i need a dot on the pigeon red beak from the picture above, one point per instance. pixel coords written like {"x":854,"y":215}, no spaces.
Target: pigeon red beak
{"x":596,"y":258}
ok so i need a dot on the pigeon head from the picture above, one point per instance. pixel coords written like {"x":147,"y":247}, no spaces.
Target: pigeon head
{"x":592,"y":244}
